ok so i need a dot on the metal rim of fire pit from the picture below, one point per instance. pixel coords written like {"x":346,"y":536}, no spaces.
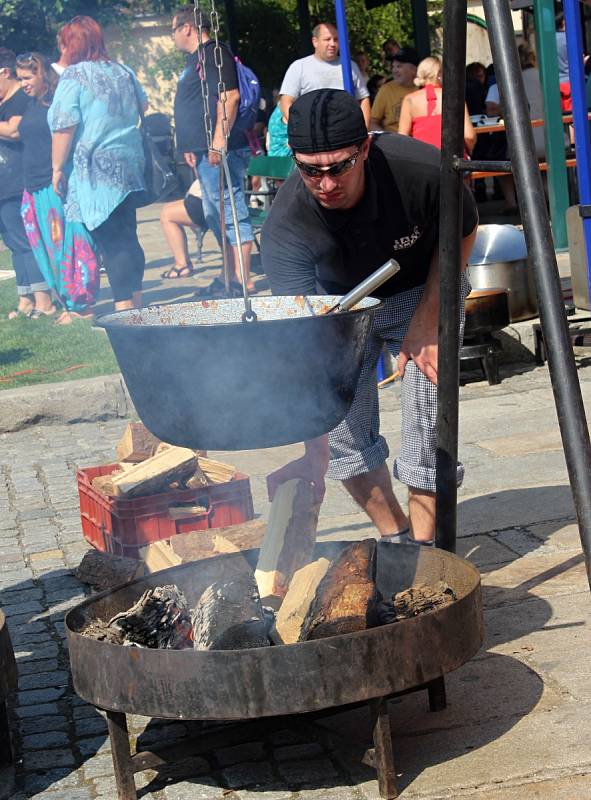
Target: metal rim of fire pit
{"x":277,"y":680}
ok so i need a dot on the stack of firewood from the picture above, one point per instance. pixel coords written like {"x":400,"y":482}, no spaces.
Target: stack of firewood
{"x":148,"y":466}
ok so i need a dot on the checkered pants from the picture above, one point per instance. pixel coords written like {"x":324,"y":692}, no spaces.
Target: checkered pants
{"x":356,"y":445}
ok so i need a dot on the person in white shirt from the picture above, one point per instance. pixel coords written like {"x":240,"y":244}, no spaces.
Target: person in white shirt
{"x":322,"y":70}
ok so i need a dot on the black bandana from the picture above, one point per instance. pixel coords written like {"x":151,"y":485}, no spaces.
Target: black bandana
{"x":325,"y":120}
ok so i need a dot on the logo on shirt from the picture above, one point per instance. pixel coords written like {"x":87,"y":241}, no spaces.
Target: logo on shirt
{"x":407,"y":241}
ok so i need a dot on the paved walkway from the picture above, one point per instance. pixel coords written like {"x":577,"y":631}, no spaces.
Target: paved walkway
{"x":517,"y":718}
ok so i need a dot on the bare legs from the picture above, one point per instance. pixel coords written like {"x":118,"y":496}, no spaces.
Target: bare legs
{"x":246,"y":249}
{"x":173,"y":219}
{"x":374,"y":493}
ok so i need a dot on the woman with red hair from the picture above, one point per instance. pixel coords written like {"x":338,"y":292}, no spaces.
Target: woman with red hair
{"x":97,"y":153}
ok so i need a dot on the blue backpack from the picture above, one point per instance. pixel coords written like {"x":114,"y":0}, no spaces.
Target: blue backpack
{"x":250,"y":96}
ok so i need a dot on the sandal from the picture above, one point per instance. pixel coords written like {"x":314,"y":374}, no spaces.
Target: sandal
{"x":16,"y":313}
{"x":177,"y":272}
{"x":37,"y":313}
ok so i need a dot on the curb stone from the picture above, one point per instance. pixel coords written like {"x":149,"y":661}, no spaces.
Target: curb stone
{"x":85,"y":400}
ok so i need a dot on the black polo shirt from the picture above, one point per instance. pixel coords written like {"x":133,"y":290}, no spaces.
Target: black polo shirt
{"x":189,"y":120}
{"x":307,"y":249}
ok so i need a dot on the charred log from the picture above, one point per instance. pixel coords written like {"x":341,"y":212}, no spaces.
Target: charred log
{"x":160,"y":618}
{"x":229,"y":616}
{"x":346,"y":597}
{"x":415,"y":600}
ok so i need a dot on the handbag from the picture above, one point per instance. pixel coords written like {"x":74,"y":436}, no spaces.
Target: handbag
{"x":159,"y":179}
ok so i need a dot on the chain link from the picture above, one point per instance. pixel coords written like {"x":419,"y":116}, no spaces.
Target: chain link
{"x":218,"y":61}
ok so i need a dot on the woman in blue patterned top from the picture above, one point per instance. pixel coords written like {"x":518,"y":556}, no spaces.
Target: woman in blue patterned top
{"x":97,"y":153}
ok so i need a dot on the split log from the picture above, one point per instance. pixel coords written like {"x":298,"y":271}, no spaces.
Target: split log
{"x":229,"y":616}
{"x":289,"y":541}
{"x":296,"y":603}
{"x":156,"y":473}
{"x":198,"y":479}
{"x":137,"y":443}
{"x":105,"y":571}
{"x":346,"y":596}
{"x":216,"y":471}
{"x":197,"y":545}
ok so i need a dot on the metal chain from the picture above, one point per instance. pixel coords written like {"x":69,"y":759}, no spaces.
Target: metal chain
{"x":198,"y":15}
{"x":218,"y":60}
{"x":249,"y":315}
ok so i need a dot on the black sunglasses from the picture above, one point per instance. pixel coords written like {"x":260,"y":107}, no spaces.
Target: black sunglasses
{"x":334,"y":170}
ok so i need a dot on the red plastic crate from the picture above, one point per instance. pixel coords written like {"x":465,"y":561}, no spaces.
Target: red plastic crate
{"x":119,"y":526}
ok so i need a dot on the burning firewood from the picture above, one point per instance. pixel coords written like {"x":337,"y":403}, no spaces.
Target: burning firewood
{"x":346,"y":596}
{"x":415,"y":600}
{"x":229,"y":616}
{"x":160,"y":618}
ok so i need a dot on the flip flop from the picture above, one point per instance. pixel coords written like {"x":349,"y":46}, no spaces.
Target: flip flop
{"x":174,"y":273}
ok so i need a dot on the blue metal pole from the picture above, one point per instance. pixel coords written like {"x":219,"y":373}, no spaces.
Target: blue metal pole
{"x":574,"y":43}
{"x":344,"y":48}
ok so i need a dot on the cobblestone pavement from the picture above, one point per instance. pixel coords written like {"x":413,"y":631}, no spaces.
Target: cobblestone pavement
{"x":61,"y":746}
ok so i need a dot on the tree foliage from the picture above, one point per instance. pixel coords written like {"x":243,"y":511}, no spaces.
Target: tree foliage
{"x":268,"y":31}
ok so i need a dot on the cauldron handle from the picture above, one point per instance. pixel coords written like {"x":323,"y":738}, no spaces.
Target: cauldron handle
{"x":249,"y":315}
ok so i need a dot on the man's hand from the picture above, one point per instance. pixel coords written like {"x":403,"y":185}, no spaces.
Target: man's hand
{"x":310,"y":467}
{"x":214,"y":157}
{"x":190,"y":160}
{"x":420,"y":343}
{"x":218,"y":143}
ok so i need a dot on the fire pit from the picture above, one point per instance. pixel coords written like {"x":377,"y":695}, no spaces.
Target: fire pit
{"x":8,"y":682}
{"x":275,"y":681}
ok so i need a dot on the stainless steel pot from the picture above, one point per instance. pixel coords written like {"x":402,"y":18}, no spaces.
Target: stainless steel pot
{"x":499,"y":260}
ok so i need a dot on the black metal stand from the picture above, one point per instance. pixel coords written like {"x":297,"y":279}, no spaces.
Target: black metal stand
{"x":380,"y":757}
{"x":536,"y":225}
{"x":486,"y":349}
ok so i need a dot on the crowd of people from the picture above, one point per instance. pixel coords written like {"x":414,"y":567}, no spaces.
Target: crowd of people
{"x":71,"y":175}
{"x":71,"y":154}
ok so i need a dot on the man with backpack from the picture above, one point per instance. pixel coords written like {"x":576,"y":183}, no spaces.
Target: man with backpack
{"x":193,"y":37}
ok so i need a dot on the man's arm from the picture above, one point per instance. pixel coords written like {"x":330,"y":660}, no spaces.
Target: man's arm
{"x":366,"y":111}
{"x":9,"y":128}
{"x":219,"y":140}
{"x":285,"y":103}
{"x":420,"y":342}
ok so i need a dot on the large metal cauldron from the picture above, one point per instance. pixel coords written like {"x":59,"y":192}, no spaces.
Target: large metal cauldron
{"x":286,"y":679}
{"x":200,"y":377}
{"x":499,"y":260}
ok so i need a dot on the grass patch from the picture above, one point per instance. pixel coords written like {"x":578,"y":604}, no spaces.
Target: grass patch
{"x":43,"y":352}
